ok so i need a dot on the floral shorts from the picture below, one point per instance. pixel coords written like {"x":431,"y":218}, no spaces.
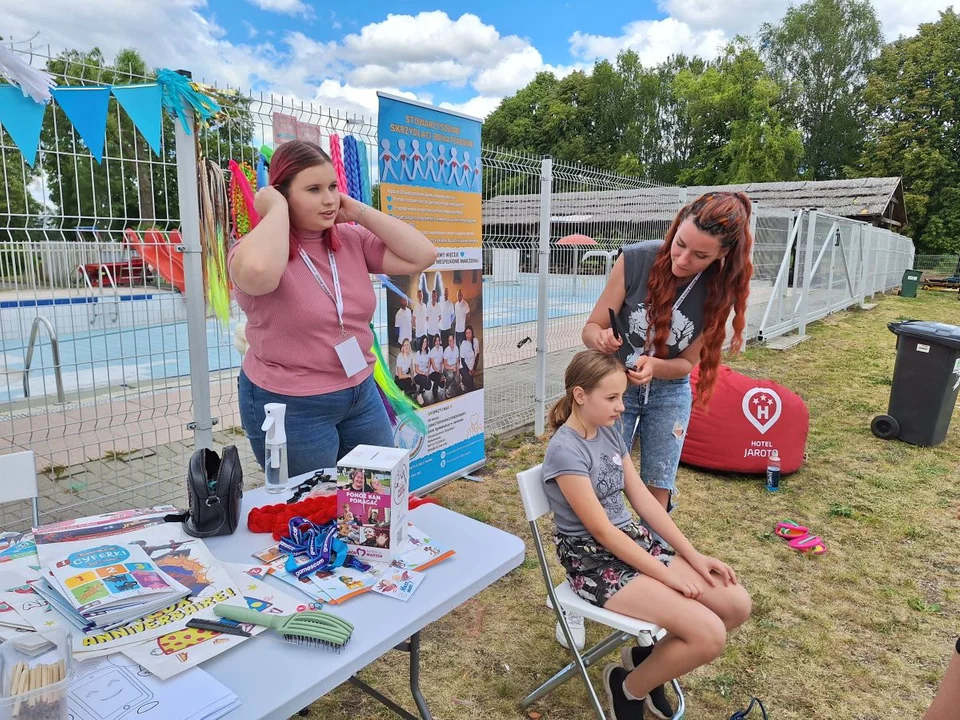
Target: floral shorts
{"x":595,"y":573}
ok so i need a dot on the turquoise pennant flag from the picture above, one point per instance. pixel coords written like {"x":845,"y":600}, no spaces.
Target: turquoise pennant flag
{"x":22,"y":117}
{"x":87,"y":109}
{"x":143,"y":104}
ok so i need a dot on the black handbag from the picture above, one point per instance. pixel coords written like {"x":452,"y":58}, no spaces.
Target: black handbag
{"x":214,"y":493}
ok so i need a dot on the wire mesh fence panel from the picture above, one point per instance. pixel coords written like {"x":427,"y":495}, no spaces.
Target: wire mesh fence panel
{"x":771,"y":287}
{"x":937,"y":266}
{"x":511,"y":218}
{"x":91,"y":319}
{"x":593,"y":213}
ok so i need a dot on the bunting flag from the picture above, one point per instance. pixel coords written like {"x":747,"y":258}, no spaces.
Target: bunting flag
{"x":142,"y":103}
{"x":86,"y":107}
{"x":22,"y":117}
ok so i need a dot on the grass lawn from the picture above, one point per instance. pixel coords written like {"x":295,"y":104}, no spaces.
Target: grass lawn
{"x":861,"y":633}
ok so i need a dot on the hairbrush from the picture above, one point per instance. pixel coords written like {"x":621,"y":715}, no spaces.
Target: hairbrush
{"x":310,"y":627}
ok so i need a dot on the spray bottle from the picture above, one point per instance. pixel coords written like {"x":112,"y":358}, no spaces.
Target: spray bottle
{"x":275,"y":447}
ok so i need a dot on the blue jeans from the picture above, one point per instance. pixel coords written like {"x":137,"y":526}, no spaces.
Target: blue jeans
{"x":661,"y":425}
{"x":320,"y":429}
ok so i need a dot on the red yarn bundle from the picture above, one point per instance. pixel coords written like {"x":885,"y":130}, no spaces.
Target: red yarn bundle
{"x":318,"y":510}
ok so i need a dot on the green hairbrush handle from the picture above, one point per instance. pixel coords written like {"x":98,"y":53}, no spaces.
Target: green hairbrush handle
{"x":246,"y":615}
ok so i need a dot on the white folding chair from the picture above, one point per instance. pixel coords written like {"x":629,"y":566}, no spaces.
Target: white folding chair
{"x":18,"y":480}
{"x":562,"y":597}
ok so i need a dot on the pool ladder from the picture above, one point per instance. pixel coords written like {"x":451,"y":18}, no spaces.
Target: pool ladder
{"x":55,"y":347}
{"x":92,"y":315}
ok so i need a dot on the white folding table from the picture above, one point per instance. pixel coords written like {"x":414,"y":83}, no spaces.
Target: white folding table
{"x":276,"y":680}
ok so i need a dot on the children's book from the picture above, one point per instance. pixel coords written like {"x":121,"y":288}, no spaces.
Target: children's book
{"x":110,"y":576}
{"x":171,"y":654}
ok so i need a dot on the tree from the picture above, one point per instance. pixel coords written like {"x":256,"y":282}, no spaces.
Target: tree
{"x":819,"y":52}
{"x":520,"y":120}
{"x":913,"y":129}
{"x":120,"y":189}
{"x":738,"y":134}
{"x":131,"y":187}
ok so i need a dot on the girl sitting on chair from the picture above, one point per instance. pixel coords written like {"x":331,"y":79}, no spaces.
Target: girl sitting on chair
{"x":614,"y":562}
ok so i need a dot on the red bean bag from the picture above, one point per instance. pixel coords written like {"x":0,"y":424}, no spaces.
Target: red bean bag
{"x":745,"y":421}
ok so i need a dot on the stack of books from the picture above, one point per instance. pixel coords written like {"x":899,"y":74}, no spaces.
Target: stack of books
{"x":108,"y":585}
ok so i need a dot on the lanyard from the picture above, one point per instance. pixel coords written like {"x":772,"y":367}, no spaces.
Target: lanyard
{"x":338,"y":300}
{"x":676,"y":306}
{"x":686,"y":291}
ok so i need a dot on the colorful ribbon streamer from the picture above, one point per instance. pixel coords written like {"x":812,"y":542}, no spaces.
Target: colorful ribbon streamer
{"x":365,"y":173}
{"x":336,"y":156}
{"x":351,"y":163}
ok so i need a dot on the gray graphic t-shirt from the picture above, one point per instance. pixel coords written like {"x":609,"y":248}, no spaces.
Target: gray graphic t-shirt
{"x":687,"y":319}
{"x":601,"y":460}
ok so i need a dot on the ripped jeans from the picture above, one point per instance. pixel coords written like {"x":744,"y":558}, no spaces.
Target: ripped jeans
{"x":661,"y":425}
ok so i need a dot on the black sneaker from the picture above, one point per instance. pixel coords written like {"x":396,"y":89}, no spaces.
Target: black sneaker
{"x":657,"y":701}
{"x":621,"y":708}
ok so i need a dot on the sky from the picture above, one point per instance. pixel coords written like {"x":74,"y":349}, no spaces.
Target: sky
{"x":458,"y":54}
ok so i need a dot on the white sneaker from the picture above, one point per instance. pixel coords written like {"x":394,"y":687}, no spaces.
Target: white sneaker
{"x":576,"y":625}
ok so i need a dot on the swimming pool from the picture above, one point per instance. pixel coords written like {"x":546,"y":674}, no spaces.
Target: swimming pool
{"x":138,"y":339}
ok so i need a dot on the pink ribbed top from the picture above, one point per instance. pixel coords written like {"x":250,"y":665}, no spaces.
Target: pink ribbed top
{"x":292,"y":331}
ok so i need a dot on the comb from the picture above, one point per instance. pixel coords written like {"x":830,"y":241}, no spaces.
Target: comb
{"x":614,"y":325}
{"x":618,"y":333}
{"x":310,"y":627}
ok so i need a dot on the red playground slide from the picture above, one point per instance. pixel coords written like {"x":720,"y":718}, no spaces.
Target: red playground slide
{"x":160,"y":253}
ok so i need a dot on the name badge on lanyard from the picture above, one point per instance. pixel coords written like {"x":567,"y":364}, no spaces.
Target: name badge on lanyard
{"x":347,"y":348}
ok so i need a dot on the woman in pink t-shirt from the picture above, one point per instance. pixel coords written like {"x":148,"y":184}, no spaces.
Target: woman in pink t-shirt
{"x":302,"y":277}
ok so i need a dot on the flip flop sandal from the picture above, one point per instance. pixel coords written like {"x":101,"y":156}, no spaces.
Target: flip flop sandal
{"x":811,"y":544}
{"x":789,"y":530}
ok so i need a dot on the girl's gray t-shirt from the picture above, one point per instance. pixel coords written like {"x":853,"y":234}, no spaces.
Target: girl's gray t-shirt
{"x":601,"y":460}
{"x":687,"y":319}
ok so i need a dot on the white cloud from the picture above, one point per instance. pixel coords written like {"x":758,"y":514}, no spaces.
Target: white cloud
{"x":511,"y":73}
{"x":653,"y":40}
{"x":478,"y":107}
{"x":732,"y":16}
{"x":180,"y":36}
{"x":412,"y":74}
{"x":289,"y":7}
{"x":901,"y":18}
{"x":428,"y":37}
{"x":745,"y":16}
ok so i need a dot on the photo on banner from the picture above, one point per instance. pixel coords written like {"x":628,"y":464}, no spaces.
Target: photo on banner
{"x":430,"y":176}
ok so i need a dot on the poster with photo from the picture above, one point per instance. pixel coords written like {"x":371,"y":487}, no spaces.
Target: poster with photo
{"x":430,"y":172}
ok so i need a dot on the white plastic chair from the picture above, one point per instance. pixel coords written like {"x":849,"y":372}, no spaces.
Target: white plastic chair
{"x":625,"y":629}
{"x":18,"y":481}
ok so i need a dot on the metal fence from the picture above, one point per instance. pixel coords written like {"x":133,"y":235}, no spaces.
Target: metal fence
{"x":937,"y":266}
{"x":113,"y":373}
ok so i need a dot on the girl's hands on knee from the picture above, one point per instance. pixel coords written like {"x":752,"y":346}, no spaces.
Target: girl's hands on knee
{"x":706,"y":566}
{"x":687,"y":588}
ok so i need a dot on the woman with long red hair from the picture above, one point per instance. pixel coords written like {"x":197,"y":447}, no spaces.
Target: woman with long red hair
{"x":672,"y":299}
{"x":302,"y":276}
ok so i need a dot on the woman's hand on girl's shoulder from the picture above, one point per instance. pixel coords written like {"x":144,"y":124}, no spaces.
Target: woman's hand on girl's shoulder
{"x":267,"y":199}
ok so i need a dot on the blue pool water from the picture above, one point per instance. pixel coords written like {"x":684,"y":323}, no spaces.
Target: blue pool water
{"x":135,"y":356}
